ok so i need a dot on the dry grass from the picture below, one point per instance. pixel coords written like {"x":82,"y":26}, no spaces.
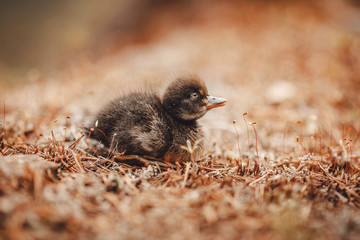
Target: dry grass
{"x":292,"y":174}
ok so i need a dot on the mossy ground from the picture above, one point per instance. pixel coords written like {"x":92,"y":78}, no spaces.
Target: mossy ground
{"x":291,"y":172}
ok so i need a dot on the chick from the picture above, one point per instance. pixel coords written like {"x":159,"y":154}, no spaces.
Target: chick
{"x":146,"y":124}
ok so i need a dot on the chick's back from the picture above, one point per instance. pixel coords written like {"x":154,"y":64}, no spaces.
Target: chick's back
{"x":135,"y":124}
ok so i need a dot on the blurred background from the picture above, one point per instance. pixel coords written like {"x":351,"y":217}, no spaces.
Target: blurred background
{"x":44,"y":36}
{"x":282,"y":61}
{"x":40,"y":37}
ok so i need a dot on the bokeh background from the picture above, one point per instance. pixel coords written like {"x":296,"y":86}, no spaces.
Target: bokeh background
{"x":292,"y":66}
{"x":281,"y":61}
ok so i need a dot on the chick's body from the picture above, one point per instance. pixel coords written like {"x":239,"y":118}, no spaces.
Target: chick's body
{"x":145,"y":124}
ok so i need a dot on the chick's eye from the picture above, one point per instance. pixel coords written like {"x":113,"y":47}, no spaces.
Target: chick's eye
{"x":194,"y":94}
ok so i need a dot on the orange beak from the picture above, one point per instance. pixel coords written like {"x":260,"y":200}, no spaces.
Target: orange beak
{"x":214,"y":102}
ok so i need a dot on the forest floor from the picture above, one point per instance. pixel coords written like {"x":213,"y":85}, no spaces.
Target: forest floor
{"x":288,"y":167}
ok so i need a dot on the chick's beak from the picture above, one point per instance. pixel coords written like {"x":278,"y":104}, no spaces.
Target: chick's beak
{"x":214,"y":102}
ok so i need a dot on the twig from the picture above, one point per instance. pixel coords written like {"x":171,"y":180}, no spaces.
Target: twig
{"x":256,"y":140}
{"x":55,"y":142}
{"x":247,"y":130}
{"x":78,"y":161}
{"x":73,"y":144}
{"x":144,"y":160}
{"x":213,"y":169}
{"x":111,"y":145}
{"x":300,"y":128}
{"x":66,"y":126}
{"x":67,"y":165}
{"x":103,"y":168}
{"x":186,"y":174}
{"x":298,"y":140}
{"x":261,"y":178}
{"x":100,"y":131}
{"x":128,"y":181}
{"x":339,"y":182}
{"x":238,"y":140}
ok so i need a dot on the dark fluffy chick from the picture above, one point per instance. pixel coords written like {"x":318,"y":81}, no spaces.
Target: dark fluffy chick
{"x":147,"y":125}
